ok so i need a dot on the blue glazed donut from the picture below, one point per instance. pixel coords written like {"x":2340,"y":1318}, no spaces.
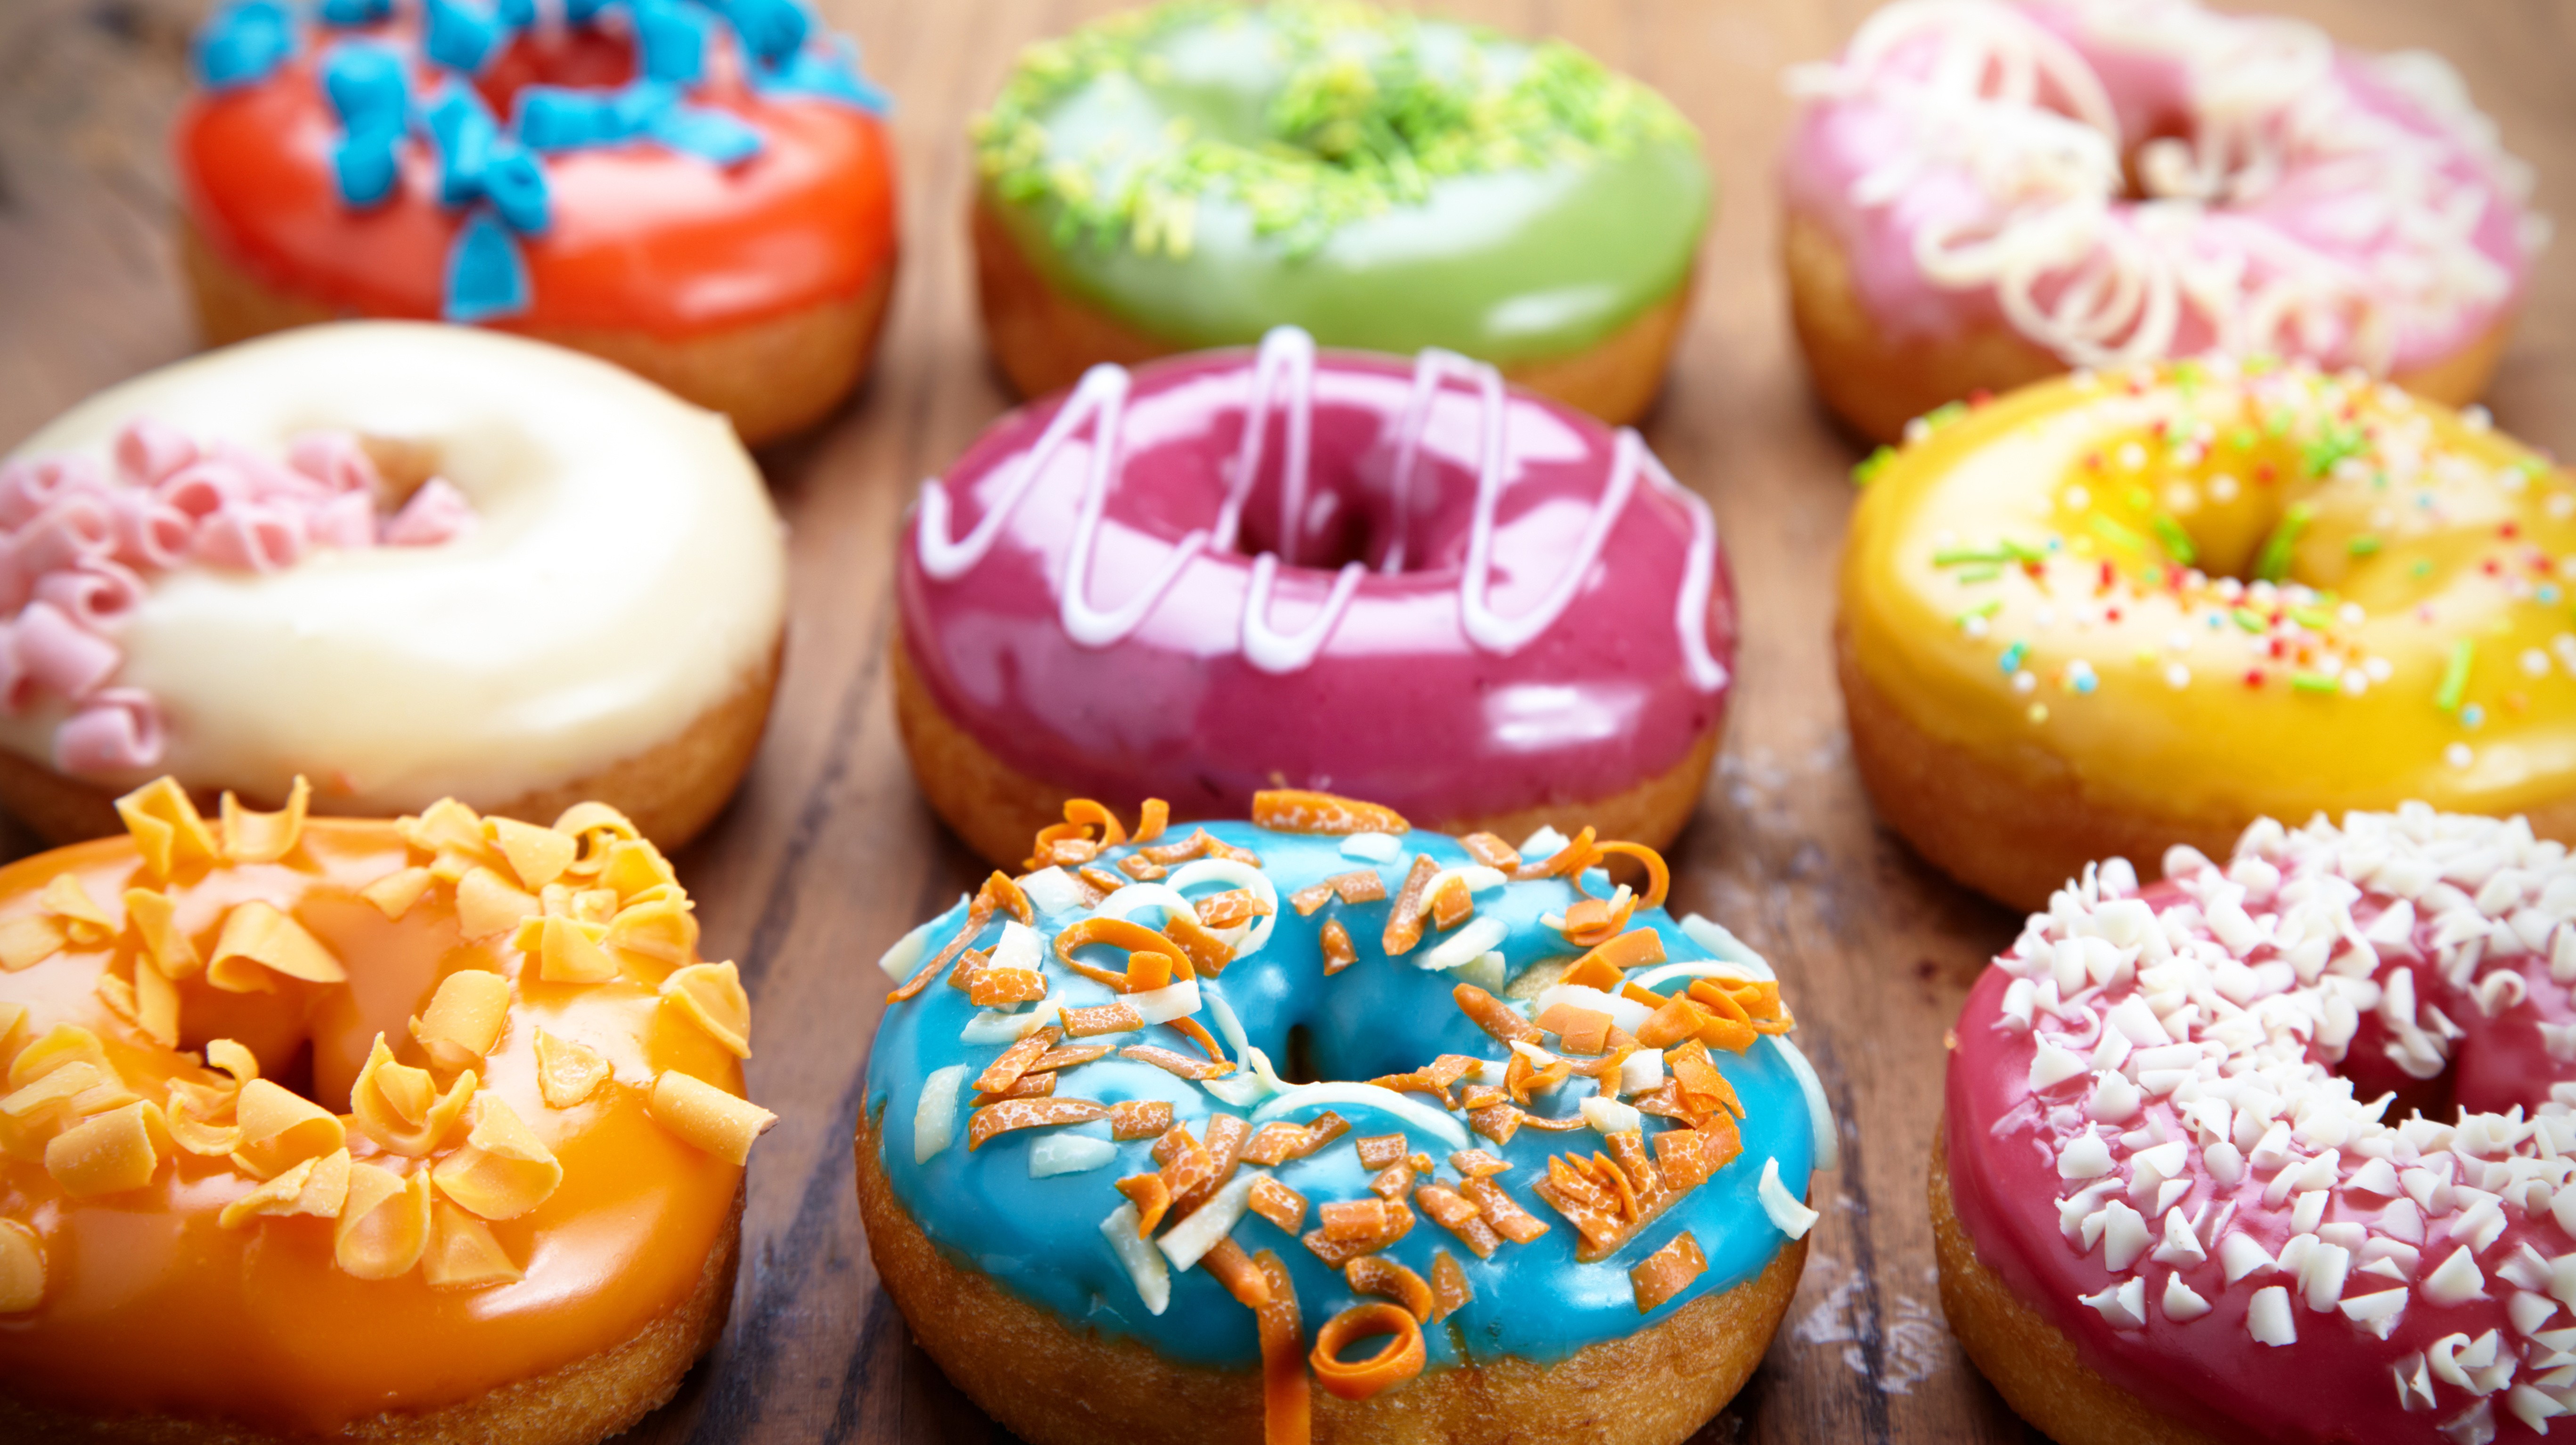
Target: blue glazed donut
{"x":1008,"y":1228}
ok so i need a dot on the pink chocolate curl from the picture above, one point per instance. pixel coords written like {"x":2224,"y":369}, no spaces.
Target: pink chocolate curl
{"x":96,"y":593}
{"x":78,"y":525}
{"x":28,"y":487}
{"x":150,"y":533}
{"x":117,"y":731}
{"x":61,"y":656}
{"x":203,"y":487}
{"x":347,"y":520}
{"x":335,"y":459}
{"x":149,"y":451}
{"x":254,"y":536}
{"x":437,"y":513}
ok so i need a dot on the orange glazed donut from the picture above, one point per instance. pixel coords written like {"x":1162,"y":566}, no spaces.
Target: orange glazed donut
{"x":409,"y":1130}
{"x":701,"y":193}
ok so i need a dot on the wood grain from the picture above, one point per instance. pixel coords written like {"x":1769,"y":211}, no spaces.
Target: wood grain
{"x":829,"y":854}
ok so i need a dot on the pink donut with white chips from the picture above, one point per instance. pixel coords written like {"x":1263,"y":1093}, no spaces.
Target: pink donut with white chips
{"x":2279,"y":1151}
{"x":1982,"y":193}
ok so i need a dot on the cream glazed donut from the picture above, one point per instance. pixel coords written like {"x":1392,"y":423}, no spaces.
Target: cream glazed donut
{"x":1981,"y":194}
{"x":1300,"y":569}
{"x":2163,"y":1208}
{"x":405,"y":561}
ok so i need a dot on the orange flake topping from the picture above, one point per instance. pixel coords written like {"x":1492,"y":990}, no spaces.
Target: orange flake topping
{"x":1404,"y":920}
{"x":166,"y":826}
{"x":1502,"y":1211}
{"x":1198,"y":1035}
{"x":711,"y":996}
{"x":1278,"y":1203}
{"x":318,"y":1187}
{"x":1398,"y":1361}
{"x":1477,"y":1164}
{"x":999,"y":893}
{"x":1659,"y":877}
{"x":1347,"y":1219}
{"x":1579,"y":1030}
{"x":1286,"y":1410}
{"x":1231,"y":1267}
{"x":1031,"y":1085}
{"x":1016,"y":1060}
{"x":721,"y":1123}
{"x":1379,"y":1150}
{"x":1359,"y":886}
{"x":1667,"y":1272}
{"x":1141,"y":868}
{"x":1493,"y":1015}
{"x":1101,"y":883}
{"x":1139,"y":1118}
{"x":1338,"y":953}
{"x":1071,"y":841}
{"x":1451,"y":903}
{"x":106,"y":1153}
{"x":1703,"y":1090}
{"x":1567,"y":862}
{"x":1166,"y":960}
{"x":1311,"y":897}
{"x":504,"y":1170}
{"x":1225,"y":1139}
{"x":462,"y":1252}
{"x":1393,"y":1181}
{"x":1491,"y":851}
{"x":383,"y":1226}
{"x":1208,"y":953}
{"x":401,"y":1108}
{"x":1013,"y":1114}
{"x":1459,"y":1215}
{"x":1610,"y":959}
{"x":1450,"y":1290}
{"x":1294,"y":810}
{"x":1176,"y":1063}
{"x":1498,"y":1122}
{"x":22,"y":1268}
{"x":464,"y":1018}
{"x":1280,"y":1141}
{"x":1068,"y":1056}
{"x":1151,"y":1197}
{"x":258,"y":944}
{"x":567,"y":1072}
{"x":1151,"y":820}
{"x":993,"y":987}
{"x":1741,"y":1010}
{"x":1368,"y":1225}
{"x":1434,"y":1079}
{"x":1608,"y":1198}
{"x":1231,"y":909}
{"x":1376,"y":1274}
{"x":1107,"y":1018}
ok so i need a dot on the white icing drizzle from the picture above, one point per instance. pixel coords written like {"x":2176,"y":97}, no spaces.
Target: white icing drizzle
{"x":2018,"y":112}
{"x":2175,"y":1045}
{"x":1286,"y":363}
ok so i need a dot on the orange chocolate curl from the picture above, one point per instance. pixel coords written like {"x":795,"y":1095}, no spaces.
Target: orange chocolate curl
{"x":1293,"y":810}
{"x":1400,"y":1360}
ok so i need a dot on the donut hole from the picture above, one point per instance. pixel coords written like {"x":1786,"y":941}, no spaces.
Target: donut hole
{"x":1347,"y":514}
{"x":575,"y":57}
{"x":1299,"y":1065}
{"x":2243,"y":504}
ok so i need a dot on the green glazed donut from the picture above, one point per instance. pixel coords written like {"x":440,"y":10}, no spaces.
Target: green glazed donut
{"x":1197,"y":173}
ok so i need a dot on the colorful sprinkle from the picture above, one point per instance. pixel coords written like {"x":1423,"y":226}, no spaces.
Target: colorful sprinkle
{"x":2455,"y":675}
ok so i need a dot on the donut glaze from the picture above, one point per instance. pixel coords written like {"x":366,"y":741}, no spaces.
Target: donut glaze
{"x":1968,"y":160}
{"x":624,"y":575}
{"x":1587,"y":645}
{"x":2139,"y":581}
{"x":2426,"y":954}
{"x":1042,"y":1237}
{"x":151,"y":1305}
{"x":640,"y":236}
{"x":1247,"y":205}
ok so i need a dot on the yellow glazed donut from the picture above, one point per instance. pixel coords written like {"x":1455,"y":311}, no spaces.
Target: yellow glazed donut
{"x":2111,"y":613}
{"x":427,"y":1129}
{"x":406,"y":561}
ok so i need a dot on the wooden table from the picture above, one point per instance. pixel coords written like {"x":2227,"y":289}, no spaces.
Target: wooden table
{"x":829,"y":855}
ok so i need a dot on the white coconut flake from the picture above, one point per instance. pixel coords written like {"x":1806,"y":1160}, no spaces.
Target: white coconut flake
{"x":1474,"y":937}
{"x":1144,"y":1263}
{"x":1002,"y":1026}
{"x":1051,"y":890}
{"x":1231,"y":874}
{"x":900,"y":961}
{"x":1372,"y":847}
{"x":1724,"y":945}
{"x":2268,"y":1319}
{"x":1422,"y":1116}
{"x":1609,"y":1116}
{"x":1793,"y":1218}
{"x":1186,"y":1242}
{"x":1820,"y":1115}
{"x":1063,"y":1153}
{"x":934,"y":1117}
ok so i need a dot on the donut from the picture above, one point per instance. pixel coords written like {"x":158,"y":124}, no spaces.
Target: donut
{"x":1495,"y":612}
{"x":404,"y":560}
{"x":1194,"y":174}
{"x":2119,"y":611}
{"x":703,"y":194}
{"x":1105,"y":1233}
{"x":421,"y":1129}
{"x":1979,"y":194}
{"x":2278,"y":1151}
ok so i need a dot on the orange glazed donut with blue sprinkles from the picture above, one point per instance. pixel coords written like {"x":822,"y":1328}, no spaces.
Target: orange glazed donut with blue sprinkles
{"x":421,"y":1129}
{"x":703,"y":193}
{"x":1538,"y":1168}
{"x":2124,"y":610}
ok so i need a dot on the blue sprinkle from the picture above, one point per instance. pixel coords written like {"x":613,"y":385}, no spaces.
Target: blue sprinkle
{"x":712,"y":134}
{"x":243,"y":44}
{"x":639,"y":105}
{"x":2472,"y":715}
{"x":486,"y":276}
{"x":516,"y":186}
{"x":582,"y":12}
{"x":2012,"y":657}
{"x":364,"y":167}
{"x":355,"y":12}
{"x":771,"y":30}
{"x":2086,"y":682}
{"x":670,"y":42}
{"x":517,"y":14}
{"x":833,"y":76}
{"x":461,"y":37}
{"x":2548,"y":594}
{"x":367,"y":86}
{"x":551,"y":118}
{"x":465,"y":133}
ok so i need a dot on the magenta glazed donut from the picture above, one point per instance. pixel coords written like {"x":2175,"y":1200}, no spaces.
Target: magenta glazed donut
{"x":1979,"y":194}
{"x":1233,"y":571}
{"x":2279,"y":1151}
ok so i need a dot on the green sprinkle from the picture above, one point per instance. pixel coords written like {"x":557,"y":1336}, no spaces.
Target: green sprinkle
{"x":2249,"y":619}
{"x":2116,"y":534}
{"x":2023,"y":551}
{"x":2363,"y":546}
{"x":2455,"y":675}
{"x":1944,"y":414}
{"x":1987,"y":608}
{"x":2140,"y":499}
{"x":2177,"y":541}
{"x":2243,"y":438}
{"x":2274,"y":564}
{"x":1975,"y":575}
{"x":1870,"y":466}
{"x":1964,"y":556}
{"x":2315,"y":619}
{"x":2423,"y":567}
{"x":2312,"y":682}
{"x":2331,"y":446}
